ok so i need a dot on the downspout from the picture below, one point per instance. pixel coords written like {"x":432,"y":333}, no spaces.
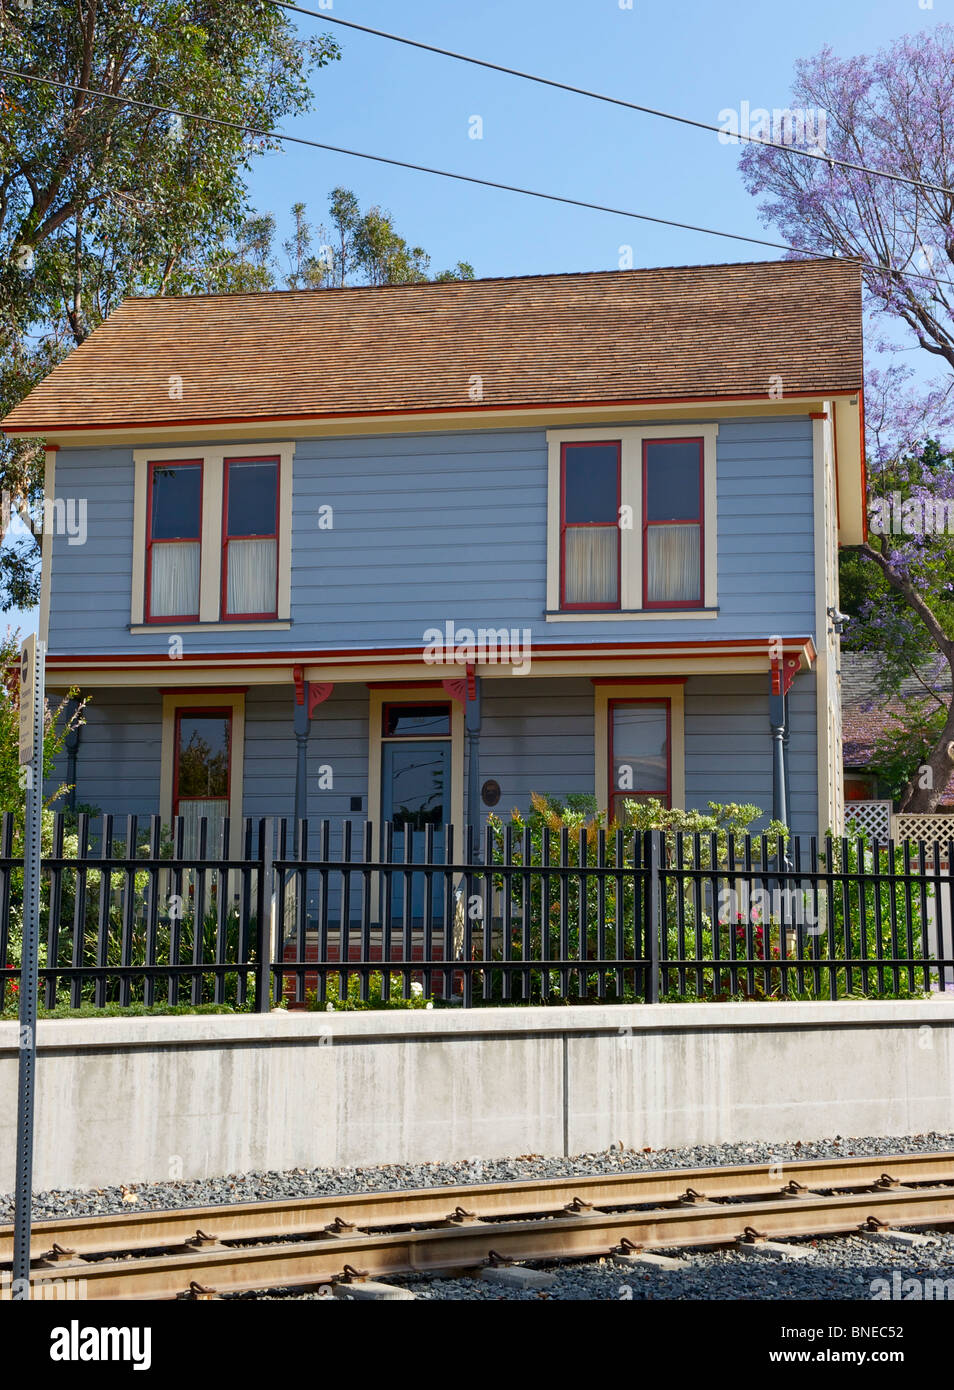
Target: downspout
{"x":788,"y":776}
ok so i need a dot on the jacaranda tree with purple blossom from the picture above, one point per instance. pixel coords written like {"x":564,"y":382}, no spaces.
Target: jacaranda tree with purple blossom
{"x":893,"y":113}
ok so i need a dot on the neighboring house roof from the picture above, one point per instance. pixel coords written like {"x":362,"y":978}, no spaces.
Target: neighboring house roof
{"x":866,"y":714}
{"x":619,"y":336}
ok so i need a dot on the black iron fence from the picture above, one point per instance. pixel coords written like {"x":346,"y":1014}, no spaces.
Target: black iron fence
{"x":344,"y":913}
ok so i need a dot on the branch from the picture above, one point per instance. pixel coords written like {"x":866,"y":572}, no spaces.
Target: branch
{"x":912,"y":598}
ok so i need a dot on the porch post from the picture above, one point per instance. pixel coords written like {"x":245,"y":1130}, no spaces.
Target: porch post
{"x":302,"y":725}
{"x":472,"y":725}
{"x":308,"y":696}
{"x":788,"y":776}
{"x":777,"y":724}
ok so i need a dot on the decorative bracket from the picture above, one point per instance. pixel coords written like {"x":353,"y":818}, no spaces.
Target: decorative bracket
{"x":462,"y":688}
{"x":314,"y":692}
{"x":456,"y":688}
{"x":318,"y":692}
{"x":783,"y":673}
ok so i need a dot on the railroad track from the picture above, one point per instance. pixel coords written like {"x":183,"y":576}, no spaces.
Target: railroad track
{"x":312,"y":1241}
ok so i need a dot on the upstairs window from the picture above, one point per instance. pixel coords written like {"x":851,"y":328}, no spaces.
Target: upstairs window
{"x":250,"y":539}
{"x":589,"y":526}
{"x":174,"y":531}
{"x":672,"y":523}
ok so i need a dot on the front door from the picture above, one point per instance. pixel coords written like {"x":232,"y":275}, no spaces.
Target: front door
{"x":415,"y":794}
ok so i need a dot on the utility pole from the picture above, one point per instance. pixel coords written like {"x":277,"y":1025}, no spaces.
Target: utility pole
{"x":32,"y":681}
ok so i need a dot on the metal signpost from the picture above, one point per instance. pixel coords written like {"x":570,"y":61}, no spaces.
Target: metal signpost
{"x":32,"y":682}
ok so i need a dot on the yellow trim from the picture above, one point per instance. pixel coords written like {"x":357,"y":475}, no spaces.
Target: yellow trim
{"x":851,"y":499}
{"x":209,"y":627}
{"x":631,"y":439}
{"x":413,"y":695}
{"x":205,"y":700}
{"x":828,"y":745}
{"x":210,"y":567}
{"x":485,"y":418}
{"x":667,"y":615}
{"x":675,"y":694}
{"x":46,"y":545}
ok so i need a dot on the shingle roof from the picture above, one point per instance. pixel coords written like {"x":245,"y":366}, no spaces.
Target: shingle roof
{"x":866,"y":713}
{"x":686,"y":331}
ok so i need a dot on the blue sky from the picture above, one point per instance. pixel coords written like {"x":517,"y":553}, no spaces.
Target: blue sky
{"x":694,"y":58}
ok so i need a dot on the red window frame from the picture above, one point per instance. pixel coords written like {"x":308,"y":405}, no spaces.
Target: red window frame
{"x":574,"y":525}
{"x":204,"y":711}
{"x":614,"y":792}
{"x":173,"y":540}
{"x":273,"y":613}
{"x":407,"y":705}
{"x":699,"y":521}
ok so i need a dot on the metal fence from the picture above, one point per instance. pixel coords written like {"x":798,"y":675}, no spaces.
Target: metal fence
{"x":321,"y":913}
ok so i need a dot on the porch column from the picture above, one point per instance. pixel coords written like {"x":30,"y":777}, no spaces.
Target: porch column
{"x":783,"y":673}
{"x":472,"y":725}
{"x":308,"y":696}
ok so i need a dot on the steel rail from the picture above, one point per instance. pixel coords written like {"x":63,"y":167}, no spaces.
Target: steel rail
{"x":168,"y":1230}
{"x":588,"y":1233}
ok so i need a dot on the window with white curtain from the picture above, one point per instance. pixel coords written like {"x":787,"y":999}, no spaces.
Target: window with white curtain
{"x":250,"y":585}
{"x":174,"y":540}
{"x":672,"y":522}
{"x":589,"y":511}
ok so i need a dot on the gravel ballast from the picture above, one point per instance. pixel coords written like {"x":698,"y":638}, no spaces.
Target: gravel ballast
{"x":842,"y":1268}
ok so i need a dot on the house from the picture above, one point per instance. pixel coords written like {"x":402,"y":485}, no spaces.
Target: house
{"x":413,"y":552}
{"x":867,"y":716}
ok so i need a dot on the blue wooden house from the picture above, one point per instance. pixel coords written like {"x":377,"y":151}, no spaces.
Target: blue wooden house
{"x":410,"y":552}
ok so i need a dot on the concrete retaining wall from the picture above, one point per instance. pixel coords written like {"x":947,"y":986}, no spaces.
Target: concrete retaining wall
{"x":136,"y":1100}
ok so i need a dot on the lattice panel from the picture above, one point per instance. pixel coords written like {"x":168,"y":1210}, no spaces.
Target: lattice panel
{"x":871,"y":817}
{"x":924,"y":827}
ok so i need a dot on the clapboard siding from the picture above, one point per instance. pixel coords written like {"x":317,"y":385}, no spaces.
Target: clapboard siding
{"x":431,"y":528}
{"x":537,"y":736}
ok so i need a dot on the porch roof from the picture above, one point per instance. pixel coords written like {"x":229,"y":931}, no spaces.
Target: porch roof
{"x":625,"y":660}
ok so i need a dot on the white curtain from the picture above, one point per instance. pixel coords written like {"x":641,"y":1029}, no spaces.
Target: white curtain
{"x":672,"y":564}
{"x":174,"y":583}
{"x":214,"y":813}
{"x":252,"y":576}
{"x":590,"y":569}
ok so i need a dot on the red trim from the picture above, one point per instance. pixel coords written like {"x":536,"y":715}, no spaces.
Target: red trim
{"x":608,"y":402}
{"x":588,"y":607}
{"x":226,"y":616}
{"x":148,"y":615}
{"x":639,"y":680}
{"x":227,"y":714}
{"x":614,"y":792}
{"x":699,"y":521}
{"x":818,"y":415}
{"x":415,"y":704}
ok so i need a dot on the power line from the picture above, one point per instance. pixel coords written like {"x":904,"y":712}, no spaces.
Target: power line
{"x":611,"y":100}
{"x":450,"y":174}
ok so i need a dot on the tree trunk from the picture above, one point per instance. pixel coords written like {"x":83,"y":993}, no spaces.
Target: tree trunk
{"x":940,"y":766}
